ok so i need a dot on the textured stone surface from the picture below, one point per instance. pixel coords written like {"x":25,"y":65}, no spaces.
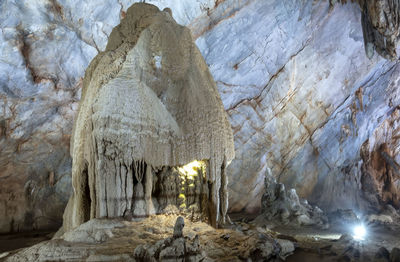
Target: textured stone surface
{"x":380,"y":22}
{"x":380,"y":171}
{"x":280,"y":206}
{"x":293,"y":76}
{"x":152,"y":240}
{"x":302,"y":96}
{"x":148,"y":102}
{"x":175,"y":248}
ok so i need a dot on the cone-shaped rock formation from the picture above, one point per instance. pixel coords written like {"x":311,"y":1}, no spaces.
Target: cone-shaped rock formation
{"x":149,"y":106}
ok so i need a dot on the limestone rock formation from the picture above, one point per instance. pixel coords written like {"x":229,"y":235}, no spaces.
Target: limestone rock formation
{"x":303,"y":108}
{"x":381,"y":27}
{"x":271,"y":250}
{"x":175,"y":248}
{"x":178,"y":228}
{"x":283,"y":207}
{"x":149,"y":105}
{"x":45,"y":48}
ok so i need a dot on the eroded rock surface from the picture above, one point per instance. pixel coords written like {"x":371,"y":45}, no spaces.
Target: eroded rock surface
{"x":283,"y":207}
{"x":151,"y":240}
{"x":380,"y":21}
{"x":175,"y":248}
{"x":302,"y":98}
{"x":380,"y":168}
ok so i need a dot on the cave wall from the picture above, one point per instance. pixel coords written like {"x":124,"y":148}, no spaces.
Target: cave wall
{"x":380,"y":171}
{"x":302,"y":97}
{"x":293,"y":76}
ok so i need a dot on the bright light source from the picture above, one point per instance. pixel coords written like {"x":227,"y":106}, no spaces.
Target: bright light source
{"x":359,"y":232}
{"x":191,"y":170}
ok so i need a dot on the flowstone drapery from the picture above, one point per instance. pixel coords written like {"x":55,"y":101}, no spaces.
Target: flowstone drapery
{"x":149,"y":108}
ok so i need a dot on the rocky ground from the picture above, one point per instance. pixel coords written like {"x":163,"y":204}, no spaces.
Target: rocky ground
{"x":116,"y":240}
{"x":338,"y":245}
{"x":244,"y":240}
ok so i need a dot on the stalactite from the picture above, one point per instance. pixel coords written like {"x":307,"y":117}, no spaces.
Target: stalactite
{"x":148,"y":191}
{"x":140,"y":205}
{"x":223,"y":194}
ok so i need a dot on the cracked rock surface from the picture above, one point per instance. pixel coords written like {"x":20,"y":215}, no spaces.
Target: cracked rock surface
{"x":302,"y":98}
{"x":301,"y":95}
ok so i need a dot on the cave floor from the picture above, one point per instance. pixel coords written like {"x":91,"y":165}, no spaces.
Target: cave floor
{"x":313,"y":244}
{"x":316,"y":244}
{"x":115,"y":240}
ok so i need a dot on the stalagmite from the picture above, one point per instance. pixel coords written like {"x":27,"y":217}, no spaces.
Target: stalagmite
{"x":149,"y":107}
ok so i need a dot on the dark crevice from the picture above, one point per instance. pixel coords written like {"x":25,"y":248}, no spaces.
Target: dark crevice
{"x":86,"y":196}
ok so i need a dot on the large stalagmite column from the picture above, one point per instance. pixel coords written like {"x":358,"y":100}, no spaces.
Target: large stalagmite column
{"x":149,"y":106}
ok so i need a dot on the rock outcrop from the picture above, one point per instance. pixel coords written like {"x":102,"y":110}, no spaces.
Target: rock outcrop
{"x":149,"y":105}
{"x":283,"y":207}
{"x":175,"y":248}
{"x":380,"y":169}
{"x":380,"y":21}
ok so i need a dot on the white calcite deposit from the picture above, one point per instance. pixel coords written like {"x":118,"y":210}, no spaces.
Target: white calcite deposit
{"x":149,"y":103}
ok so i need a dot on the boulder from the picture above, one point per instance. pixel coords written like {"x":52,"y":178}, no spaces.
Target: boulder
{"x":172,"y":249}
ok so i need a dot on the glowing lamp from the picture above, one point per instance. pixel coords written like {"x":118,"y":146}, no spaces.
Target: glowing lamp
{"x":359,"y":232}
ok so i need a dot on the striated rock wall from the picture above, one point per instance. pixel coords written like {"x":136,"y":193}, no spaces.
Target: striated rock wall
{"x":293,"y":76}
{"x":302,"y":97}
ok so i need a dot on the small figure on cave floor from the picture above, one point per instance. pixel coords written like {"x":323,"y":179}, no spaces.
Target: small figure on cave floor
{"x":178,"y":228}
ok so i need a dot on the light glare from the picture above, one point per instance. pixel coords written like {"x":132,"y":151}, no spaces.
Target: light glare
{"x":359,"y":232}
{"x":190,"y":170}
